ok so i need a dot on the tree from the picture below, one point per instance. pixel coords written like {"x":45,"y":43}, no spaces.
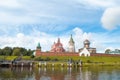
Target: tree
{"x":107,"y":51}
{"x":1,"y":52}
{"x":7,"y":51}
{"x":16,"y":52}
{"x":30,"y":52}
{"x":23,"y":51}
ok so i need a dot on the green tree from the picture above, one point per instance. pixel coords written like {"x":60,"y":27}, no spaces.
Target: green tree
{"x":16,"y":52}
{"x":107,"y":51}
{"x":20,"y":51}
{"x":1,"y":52}
{"x":7,"y":51}
{"x":30,"y":52}
{"x":23,"y":51}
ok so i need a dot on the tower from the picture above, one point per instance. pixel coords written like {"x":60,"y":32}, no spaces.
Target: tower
{"x":71,"y":47}
{"x":86,"y":44}
{"x":38,"y":47}
{"x":38,"y":50}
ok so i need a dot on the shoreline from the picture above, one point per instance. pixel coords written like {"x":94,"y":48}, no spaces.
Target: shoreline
{"x":55,"y":64}
{"x":65,"y":61}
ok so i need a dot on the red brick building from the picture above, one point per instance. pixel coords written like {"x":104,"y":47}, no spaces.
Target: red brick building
{"x":57,"y":47}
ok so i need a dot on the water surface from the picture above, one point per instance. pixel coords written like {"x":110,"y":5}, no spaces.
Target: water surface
{"x":61,"y":73}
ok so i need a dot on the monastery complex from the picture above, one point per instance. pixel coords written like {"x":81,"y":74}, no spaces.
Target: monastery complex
{"x":57,"y":49}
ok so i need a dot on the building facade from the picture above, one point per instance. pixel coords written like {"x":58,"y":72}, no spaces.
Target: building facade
{"x":84,"y":52}
{"x":57,"y":47}
{"x":87,"y":46}
{"x":38,"y":50}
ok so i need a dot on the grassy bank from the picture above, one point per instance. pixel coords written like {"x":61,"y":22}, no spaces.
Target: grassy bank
{"x":57,"y":60}
{"x":87,"y":61}
{"x":10,"y":58}
{"x":77,"y":58}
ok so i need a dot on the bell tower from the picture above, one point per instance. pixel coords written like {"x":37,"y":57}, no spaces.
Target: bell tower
{"x":86,"y":44}
{"x":71,"y":47}
{"x":38,"y":47}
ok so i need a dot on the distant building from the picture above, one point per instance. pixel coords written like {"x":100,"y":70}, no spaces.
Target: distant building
{"x":71,"y":47}
{"x":38,"y":50}
{"x":38,"y":47}
{"x":57,"y":47}
{"x":84,"y":52}
{"x":116,"y":51}
{"x":87,"y":46}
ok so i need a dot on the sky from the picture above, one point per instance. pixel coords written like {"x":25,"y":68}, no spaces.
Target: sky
{"x":24,"y":23}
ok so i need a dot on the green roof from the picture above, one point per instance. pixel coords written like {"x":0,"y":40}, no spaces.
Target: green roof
{"x":38,"y":45}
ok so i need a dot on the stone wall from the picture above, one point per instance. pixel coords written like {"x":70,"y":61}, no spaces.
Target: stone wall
{"x":57,"y":54}
{"x":38,"y":53}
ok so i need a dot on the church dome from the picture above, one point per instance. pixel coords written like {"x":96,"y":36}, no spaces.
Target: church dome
{"x":86,"y":41}
{"x":57,"y":47}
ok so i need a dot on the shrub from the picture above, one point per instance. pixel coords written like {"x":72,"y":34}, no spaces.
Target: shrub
{"x":38,"y":59}
{"x":47,"y":59}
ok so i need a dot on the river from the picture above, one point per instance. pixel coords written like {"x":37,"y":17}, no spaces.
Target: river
{"x":61,"y":73}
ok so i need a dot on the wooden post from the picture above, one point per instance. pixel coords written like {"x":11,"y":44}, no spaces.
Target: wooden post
{"x":22,"y":64}
{"x":53,"y":64}
{"x":80,"y":63}
{"x":39,"y":65}
{"x":31,"y":64}
{"x":45,"y":64}
{"x":62,"y":64}
{"x":70,"y":64}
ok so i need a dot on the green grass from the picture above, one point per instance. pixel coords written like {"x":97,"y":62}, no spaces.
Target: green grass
{"x":61,"y":59}
{"x":84,"y":59}
{"x":10,"y":58}
{"x":26,"y":58}
{"x":87,"y":61}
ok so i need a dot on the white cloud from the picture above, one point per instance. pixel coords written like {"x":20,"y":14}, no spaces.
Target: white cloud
{"x":52,"y":12}
{"x":100,"y":3}
{"x":9,"y":3}
{"x":46,"y":12}
{"x":98,"y":40}
{"x":111,"y":18}
{"x":46,"y":40}
{"x":43,"y":16}
{"x":19,"y":40}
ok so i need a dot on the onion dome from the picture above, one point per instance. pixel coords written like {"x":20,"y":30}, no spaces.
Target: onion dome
{"x":86,"y":41}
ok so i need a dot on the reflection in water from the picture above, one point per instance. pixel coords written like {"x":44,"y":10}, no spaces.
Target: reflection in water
{"x":60,"y":73}
{"x":15,"y":73}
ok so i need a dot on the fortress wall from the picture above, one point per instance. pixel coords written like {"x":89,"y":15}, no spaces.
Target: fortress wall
{"x":56,"y":54}
{"x":73,"y":54}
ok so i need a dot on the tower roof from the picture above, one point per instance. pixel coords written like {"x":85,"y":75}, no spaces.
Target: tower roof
{"x":58,"y":40}
{"x":38,"y":45}
{"x":71,"y":39}
{"x":86,"y":41}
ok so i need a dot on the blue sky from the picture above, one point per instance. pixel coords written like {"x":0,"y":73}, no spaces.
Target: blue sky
{"x":24,"y":23}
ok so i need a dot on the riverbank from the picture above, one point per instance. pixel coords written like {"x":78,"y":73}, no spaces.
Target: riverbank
{"x":64,"y":61}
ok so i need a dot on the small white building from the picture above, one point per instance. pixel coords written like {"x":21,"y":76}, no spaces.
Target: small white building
{"x":84,"y":52}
